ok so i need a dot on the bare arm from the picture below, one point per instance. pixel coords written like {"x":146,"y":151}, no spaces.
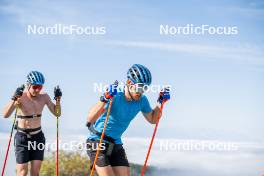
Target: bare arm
{"x":55,"y":109}
{"x":9,"y":108}
{"x":153,"y":116}
{"x":95,"y":112}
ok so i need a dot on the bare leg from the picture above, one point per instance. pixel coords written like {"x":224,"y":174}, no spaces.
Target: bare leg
{"x":22,"y":169}
{"x":35,"y":167}
{"x":104,"y":171}
{"x":121,"y":170}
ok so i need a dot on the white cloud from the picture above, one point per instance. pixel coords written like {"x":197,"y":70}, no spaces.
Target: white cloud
{"x":246,"y":54}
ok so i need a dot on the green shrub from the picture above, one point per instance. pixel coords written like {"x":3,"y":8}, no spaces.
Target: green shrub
{"x":74,"y":164}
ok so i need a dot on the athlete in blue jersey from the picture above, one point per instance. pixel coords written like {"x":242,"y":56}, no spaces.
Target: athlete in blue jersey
{"x":112,"y":160}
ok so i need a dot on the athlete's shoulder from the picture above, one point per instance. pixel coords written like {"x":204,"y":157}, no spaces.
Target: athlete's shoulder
{"x":144,"y":98}
{"x":24,"y":94}
{"x":44,"y":95}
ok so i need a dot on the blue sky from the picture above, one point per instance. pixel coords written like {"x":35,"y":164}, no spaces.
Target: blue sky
{"x":217,"y":80}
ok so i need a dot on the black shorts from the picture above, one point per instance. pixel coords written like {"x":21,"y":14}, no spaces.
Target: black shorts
{"x":29,"y":148}
{"x":110,"y":156}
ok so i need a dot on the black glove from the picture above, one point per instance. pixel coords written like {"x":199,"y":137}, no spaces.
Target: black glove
{"x":88,"y":124}
{"x":18,"y":93}
{"x":164,"y":95}
{"x":57,"y":93}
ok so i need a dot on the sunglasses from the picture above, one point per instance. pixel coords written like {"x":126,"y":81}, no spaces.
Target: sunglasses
{"x":35,"y":87}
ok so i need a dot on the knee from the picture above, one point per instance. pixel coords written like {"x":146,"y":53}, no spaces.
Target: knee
{"x":22,"y":171}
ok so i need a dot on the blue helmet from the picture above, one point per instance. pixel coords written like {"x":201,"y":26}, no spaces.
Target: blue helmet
{"x":35,"y":78}
{"x":139,"y":74}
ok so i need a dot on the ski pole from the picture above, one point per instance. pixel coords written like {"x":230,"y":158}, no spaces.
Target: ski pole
{"x":102,"y":137}
{"x":152,"y":140}
{"x":57,"y":95}
{"x":10,"y":138}
{"x":57,"y":131}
